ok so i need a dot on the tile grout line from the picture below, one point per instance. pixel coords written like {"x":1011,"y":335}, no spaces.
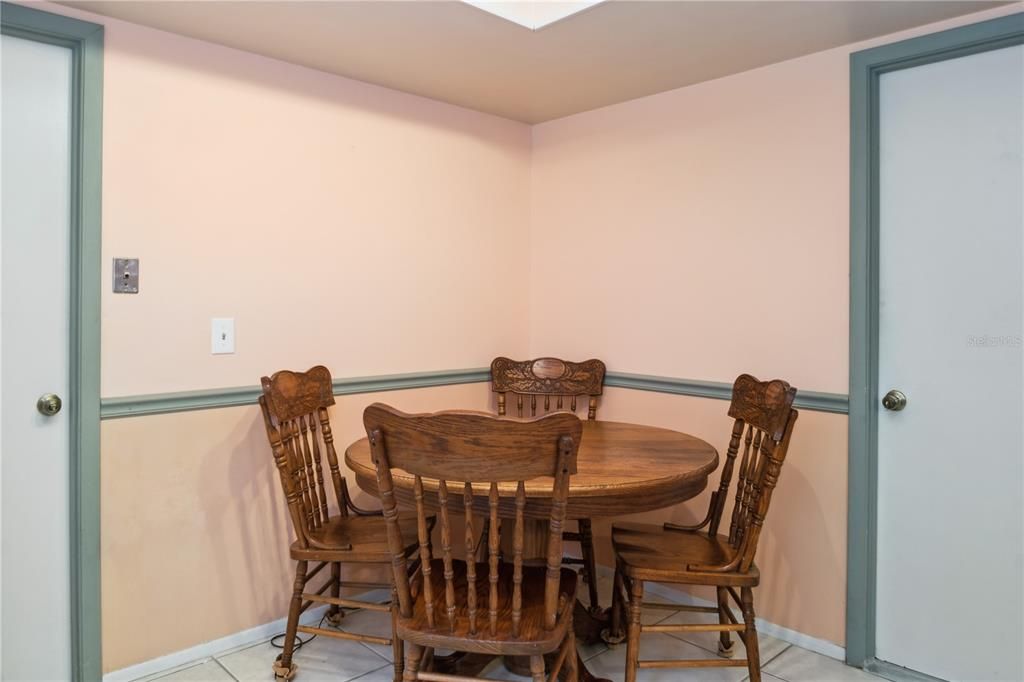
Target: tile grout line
{"x":224,"y":668}
{"x":156,"y":677}
{"x":781,"y":651}
{"x":715,"y":652}
{"x":367,"y":673}
{"x":375,"y":653}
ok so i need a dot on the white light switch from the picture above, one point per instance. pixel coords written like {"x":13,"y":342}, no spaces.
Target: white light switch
{"x":222,"y":335}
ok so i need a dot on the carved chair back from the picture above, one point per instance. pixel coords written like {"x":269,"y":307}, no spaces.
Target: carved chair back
{"x":294,"y":408}
{"x":493,"y":456}
{"x":548,"y":378}
{"x":764,"y":420}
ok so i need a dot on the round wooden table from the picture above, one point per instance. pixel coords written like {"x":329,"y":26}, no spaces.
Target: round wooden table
{"x":621,"y":469}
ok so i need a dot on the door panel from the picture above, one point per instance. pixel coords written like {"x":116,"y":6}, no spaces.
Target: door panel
{"x":34,"y":359}
{"x":951,"y":304}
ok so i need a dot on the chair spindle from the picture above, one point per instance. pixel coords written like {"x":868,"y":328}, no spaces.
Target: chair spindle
{"x":446,"y":550}
{"x":467,"y":499}
{"x":423,"y":535}
{"x":494,"y":542}
{"x":332,"y":459}
{"x":517,"y":559}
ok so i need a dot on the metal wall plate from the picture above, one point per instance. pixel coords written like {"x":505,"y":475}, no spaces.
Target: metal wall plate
{"x":126,"y":275}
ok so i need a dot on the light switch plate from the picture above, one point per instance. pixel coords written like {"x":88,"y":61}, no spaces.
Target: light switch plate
{"x":222,"y":335}
{"x":126,"y":275}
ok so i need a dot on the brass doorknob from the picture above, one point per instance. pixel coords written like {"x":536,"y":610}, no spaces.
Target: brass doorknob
{"x":894,"y":400}
{"x":49,"y":404}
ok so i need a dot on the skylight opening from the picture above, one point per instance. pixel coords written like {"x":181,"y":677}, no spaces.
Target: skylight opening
{"x":533,"y":14}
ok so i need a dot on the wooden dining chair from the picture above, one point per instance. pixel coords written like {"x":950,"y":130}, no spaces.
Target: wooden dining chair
{"x":329,"y":531}
{"x":490,"y":607}
{"x":697,"y":555}
{"x":558,"y":383}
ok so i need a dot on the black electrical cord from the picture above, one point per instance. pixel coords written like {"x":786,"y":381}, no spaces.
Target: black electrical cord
{"x":299,"y":642}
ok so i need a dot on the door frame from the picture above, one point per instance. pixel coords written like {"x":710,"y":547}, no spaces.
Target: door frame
{"x":865,"y":68}
{"x":85,"y":40}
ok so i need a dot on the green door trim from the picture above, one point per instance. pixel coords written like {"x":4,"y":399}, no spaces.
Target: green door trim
{"x":865,"y":69}
{"x":85,"y":40}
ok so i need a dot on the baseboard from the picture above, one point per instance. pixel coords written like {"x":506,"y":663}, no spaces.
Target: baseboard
{"x":206,"y":650}
{"x":264,"y":632}
{"x":804,"y":641}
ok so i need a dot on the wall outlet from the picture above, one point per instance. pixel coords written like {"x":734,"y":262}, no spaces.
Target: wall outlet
{"x":222,"y":335}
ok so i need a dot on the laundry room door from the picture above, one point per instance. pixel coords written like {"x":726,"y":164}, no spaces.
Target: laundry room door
{"x":35,"y":231}
{"x":950,"y":403}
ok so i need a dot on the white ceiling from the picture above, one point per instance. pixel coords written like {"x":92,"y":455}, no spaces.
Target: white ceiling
{"x":457,"y":53}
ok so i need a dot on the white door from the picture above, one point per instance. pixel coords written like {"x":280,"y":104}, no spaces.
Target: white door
{"x":950,"y":572}
{"x":35,"y":84}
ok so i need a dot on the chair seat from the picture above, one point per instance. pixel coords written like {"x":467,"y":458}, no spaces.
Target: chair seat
{"x":359,"y":539}
{"x":649,"y":552}
{"x":532,"y":639}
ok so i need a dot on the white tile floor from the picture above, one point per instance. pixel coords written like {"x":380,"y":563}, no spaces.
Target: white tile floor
{"x":341,"y":661}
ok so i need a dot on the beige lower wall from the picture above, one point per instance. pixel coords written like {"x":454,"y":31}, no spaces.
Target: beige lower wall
{"x":195,"y":533}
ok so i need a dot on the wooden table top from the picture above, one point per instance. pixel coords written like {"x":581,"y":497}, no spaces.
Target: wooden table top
{"x":622,"y":469}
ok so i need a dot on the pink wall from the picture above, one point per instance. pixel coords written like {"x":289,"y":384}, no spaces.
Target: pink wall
{"x":337,"y":222}
{"x":709,"y":222}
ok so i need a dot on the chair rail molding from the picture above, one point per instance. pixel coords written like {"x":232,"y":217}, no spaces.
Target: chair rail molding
{"x":807,"y":400}
{"x":215,"y":398}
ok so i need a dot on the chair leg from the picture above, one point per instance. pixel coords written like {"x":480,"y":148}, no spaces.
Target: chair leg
{"x":725,"y":644}
{"x":589,"y":564}
{"x":397,"y":645}
{"x":615,"y":632}
{"x":537,"y":668}
{"x":636,"y":598}
{"x":412,"y":662}
{"x":335,"y":613}
{"x":283,"y":667}
{"x":572,"y":667}
{"x":750,"y":635}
